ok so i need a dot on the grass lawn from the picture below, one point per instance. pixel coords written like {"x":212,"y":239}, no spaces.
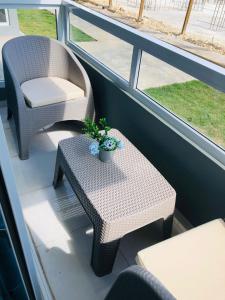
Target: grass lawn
{"x":42,"y":22}
{"x":78,"y":35}
{"x":198,"y":104}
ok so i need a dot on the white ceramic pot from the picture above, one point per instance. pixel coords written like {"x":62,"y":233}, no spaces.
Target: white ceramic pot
{"x":106,"y":156}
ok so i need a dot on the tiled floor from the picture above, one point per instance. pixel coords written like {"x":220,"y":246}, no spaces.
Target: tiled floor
{"x":61,"y":231}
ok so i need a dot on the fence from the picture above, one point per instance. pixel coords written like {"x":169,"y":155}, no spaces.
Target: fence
{"x":217,"y":20}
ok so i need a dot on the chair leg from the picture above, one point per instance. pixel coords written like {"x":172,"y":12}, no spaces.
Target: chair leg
{"x":23,"y":143}
{"x":103,"y":256}
{"x":9,"y":114}
{"x":23,"y":137}
{"x":23,"y":149}
{"x":167,"y":227}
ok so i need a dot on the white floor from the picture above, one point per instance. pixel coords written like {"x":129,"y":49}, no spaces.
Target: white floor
{"x":60,"y":230}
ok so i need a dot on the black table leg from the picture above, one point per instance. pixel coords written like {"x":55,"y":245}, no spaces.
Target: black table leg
{"x":167,"y":227}
{"x":58,"y":175}
{"x":103,"y":255}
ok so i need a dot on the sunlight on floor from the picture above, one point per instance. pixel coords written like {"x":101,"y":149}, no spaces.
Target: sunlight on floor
{"x":60,"y":230}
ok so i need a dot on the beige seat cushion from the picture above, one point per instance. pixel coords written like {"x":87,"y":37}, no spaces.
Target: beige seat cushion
{"x":191,"y":265}
{"x":49,"y":90}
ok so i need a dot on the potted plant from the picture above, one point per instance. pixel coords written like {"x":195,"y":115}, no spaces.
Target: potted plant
{"x":103,"y":145}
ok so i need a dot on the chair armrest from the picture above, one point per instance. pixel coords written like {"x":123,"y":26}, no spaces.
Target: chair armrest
{"x":135,"y":283}
{"x":14,"y":93}
{"x":77,"y":73}
{"x":79,"y":77}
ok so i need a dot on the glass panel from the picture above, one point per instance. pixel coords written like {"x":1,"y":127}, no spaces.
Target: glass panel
{"x":27,"y":21}
{"x":108,"y":49}
{"x":3,"y":18}
{"x":37,"y":22}
{"x":204,"y":33}
{"x":206,"y":26}
{"x":198,"y":104}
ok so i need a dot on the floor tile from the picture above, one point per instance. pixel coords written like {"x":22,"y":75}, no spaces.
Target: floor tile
{"x":3,"y":114}
{"x":34,"y":173}
{"x":37,"y":171}
{"x":69,"y":270}
{"x":140,"y":239}
{"x":53,"y":214}
{"x":60,"y":229}
{"x":47,"y":194}
{"x":56,"y":136}
{"x":11,"y":142}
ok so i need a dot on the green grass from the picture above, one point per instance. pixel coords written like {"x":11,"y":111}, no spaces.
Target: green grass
{"x":78,"y":35}
{"x":198,"y":104}
{"x":42,"y":22}
{"x":37,"y":22}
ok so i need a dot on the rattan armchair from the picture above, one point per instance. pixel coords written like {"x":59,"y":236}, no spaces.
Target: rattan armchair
{"x":137,"y":283}
{"x":31,"y":65}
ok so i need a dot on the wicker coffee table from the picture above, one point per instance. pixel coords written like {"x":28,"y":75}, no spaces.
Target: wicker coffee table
{"x":118,"y":197}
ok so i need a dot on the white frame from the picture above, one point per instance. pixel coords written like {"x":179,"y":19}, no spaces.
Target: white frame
{"x":6,"y":23}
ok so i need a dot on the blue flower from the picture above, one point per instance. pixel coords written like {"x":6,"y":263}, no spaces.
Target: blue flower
{"x":109,"y":144}
{"x":120,"y":145}
{"x":94,"y":148}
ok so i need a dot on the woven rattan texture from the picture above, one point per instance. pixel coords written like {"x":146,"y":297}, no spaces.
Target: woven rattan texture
{"x":30,"y":57}
{"x":119,"y":196}
{"x":137,"y":283}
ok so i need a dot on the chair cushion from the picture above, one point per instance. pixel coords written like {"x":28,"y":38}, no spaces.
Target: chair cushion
{"x":190,"y":265}
{"x":49,"y":90}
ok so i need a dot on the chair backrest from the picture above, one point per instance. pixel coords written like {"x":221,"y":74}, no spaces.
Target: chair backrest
{"x":29,"y":57}
{"x":135,"y":283}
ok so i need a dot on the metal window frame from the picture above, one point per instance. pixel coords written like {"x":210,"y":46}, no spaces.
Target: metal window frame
{"x":38,"y":281}
{"x":193,"y":65}
{"x":6,"y":23}
{"x":189,"y":63}
{"x":7,"y":172}
{"x":32,"y":4}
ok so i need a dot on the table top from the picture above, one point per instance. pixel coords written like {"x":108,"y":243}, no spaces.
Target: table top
{"x":126,"y":185}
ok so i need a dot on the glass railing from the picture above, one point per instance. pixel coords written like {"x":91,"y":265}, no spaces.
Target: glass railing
{"x":185,"y":91}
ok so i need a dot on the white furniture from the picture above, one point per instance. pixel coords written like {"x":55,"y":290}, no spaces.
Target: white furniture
{"x":50,"y":90}
{"x":45,"y":83}
{"x":191,"y":265}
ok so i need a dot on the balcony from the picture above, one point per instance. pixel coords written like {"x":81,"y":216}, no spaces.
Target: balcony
{"x":123,"y":64}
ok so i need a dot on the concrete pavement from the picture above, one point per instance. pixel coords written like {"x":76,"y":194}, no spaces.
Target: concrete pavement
{"x":117,"y":54}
